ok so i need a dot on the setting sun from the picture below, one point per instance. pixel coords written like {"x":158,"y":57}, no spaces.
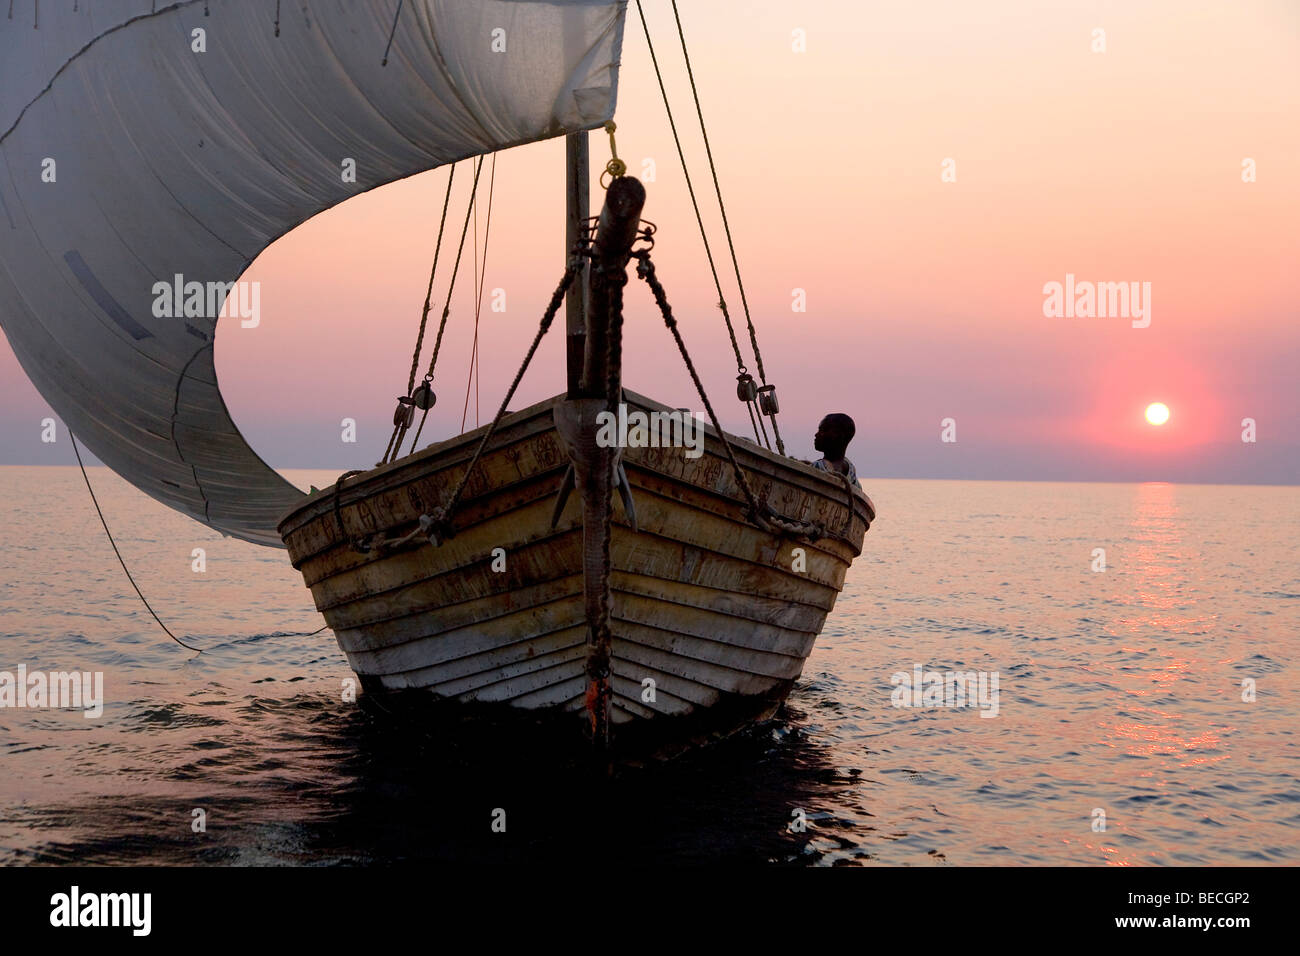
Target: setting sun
{"x":1157,"y":413}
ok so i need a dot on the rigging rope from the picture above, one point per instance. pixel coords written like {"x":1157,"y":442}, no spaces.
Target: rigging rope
{"x":451,"y":286}
{"x":455,"y":270}
{"x":645,"y":269}
{"x":480,"y":278}
{"x":392,"y":33}
{"x":764,"y":517}
{"x":405,"y":409}
{"x":120,"y":560}
{"x":428,"y":294}
{"x":437,"y":526}
{"x":557,"y":298}
{"x":699,"y":217}
{"x":726,"y":225}
{"x":99,"y":511}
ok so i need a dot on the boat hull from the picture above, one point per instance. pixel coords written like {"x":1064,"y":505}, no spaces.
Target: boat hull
{"x":712,"y":617}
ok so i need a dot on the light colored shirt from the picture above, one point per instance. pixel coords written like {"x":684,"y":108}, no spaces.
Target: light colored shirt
{"x":822,"y":465}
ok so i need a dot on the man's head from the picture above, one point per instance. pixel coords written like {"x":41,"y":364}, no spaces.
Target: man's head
{"x":833,"y":435}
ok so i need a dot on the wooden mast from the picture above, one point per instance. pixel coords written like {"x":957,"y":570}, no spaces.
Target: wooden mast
{"x":577,"y":155}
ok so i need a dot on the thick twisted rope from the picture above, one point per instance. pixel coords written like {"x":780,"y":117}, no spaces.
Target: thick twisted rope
{"x":646,"y":270}
{"x":436,"y":527}
{"x":762,"y":516}
{"x":614,"y":350}
{"x":598,"y":660}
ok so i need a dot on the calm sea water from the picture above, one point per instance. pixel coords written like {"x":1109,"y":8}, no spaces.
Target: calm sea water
{"x":1120,"y":691}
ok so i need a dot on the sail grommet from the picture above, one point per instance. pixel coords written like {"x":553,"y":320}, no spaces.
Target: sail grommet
{"x":746,"y":388}
{"x":423,"y":397}
{"x":767,"y":402}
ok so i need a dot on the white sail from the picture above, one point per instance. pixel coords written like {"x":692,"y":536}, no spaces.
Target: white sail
{"x":134,"y":149}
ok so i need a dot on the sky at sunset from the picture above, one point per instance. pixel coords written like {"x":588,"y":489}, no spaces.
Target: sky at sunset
{"x":925,"y":297}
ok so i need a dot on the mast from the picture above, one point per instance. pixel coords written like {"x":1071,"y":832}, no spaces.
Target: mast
{"x":577,"y":210}
{"x":597,"y":469}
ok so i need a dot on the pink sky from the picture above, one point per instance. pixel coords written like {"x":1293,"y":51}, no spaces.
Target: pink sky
{"x":925,"y":298}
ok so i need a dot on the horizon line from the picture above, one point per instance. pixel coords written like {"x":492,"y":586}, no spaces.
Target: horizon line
{"x":861,"y":478}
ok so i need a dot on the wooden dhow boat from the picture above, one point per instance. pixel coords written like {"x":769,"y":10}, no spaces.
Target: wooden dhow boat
{"x":708,"y":625}
{"x":548,"y":568}
{"x":686,"y":613}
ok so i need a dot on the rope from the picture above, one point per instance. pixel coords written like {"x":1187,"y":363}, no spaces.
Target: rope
{"x":446,"y":308}
{"x":120,"y":560}
{"x":416,"y":440}
{"x":848,"y":518}
{"x":597,"y":667}
{"x":455,"y":270}
{"x":99,"y":511}
{"x":753,"y":422}
{"x":726,"y":225}
{"x":428,"y":294}
{"x":338,"y":491}
{"x":762,"y":516}
{"x":400,"y":428}
{"x":480,"y":278}
{"x":437,"y":527}
{"x":690,"y":188}
{"x":614,"y":344}
{"x":392,"y":439}
{"x":442,"y":516}
{"x":761,"y":427}
{"x":392,"y":33}
{"x":717,"y":188}
{"x":646,"y":270}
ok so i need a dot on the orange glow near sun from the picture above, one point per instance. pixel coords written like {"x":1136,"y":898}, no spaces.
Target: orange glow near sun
{"x":1157,"y":413}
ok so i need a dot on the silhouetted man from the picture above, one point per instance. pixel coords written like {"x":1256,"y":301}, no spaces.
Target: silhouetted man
{"x":832,"y":439}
